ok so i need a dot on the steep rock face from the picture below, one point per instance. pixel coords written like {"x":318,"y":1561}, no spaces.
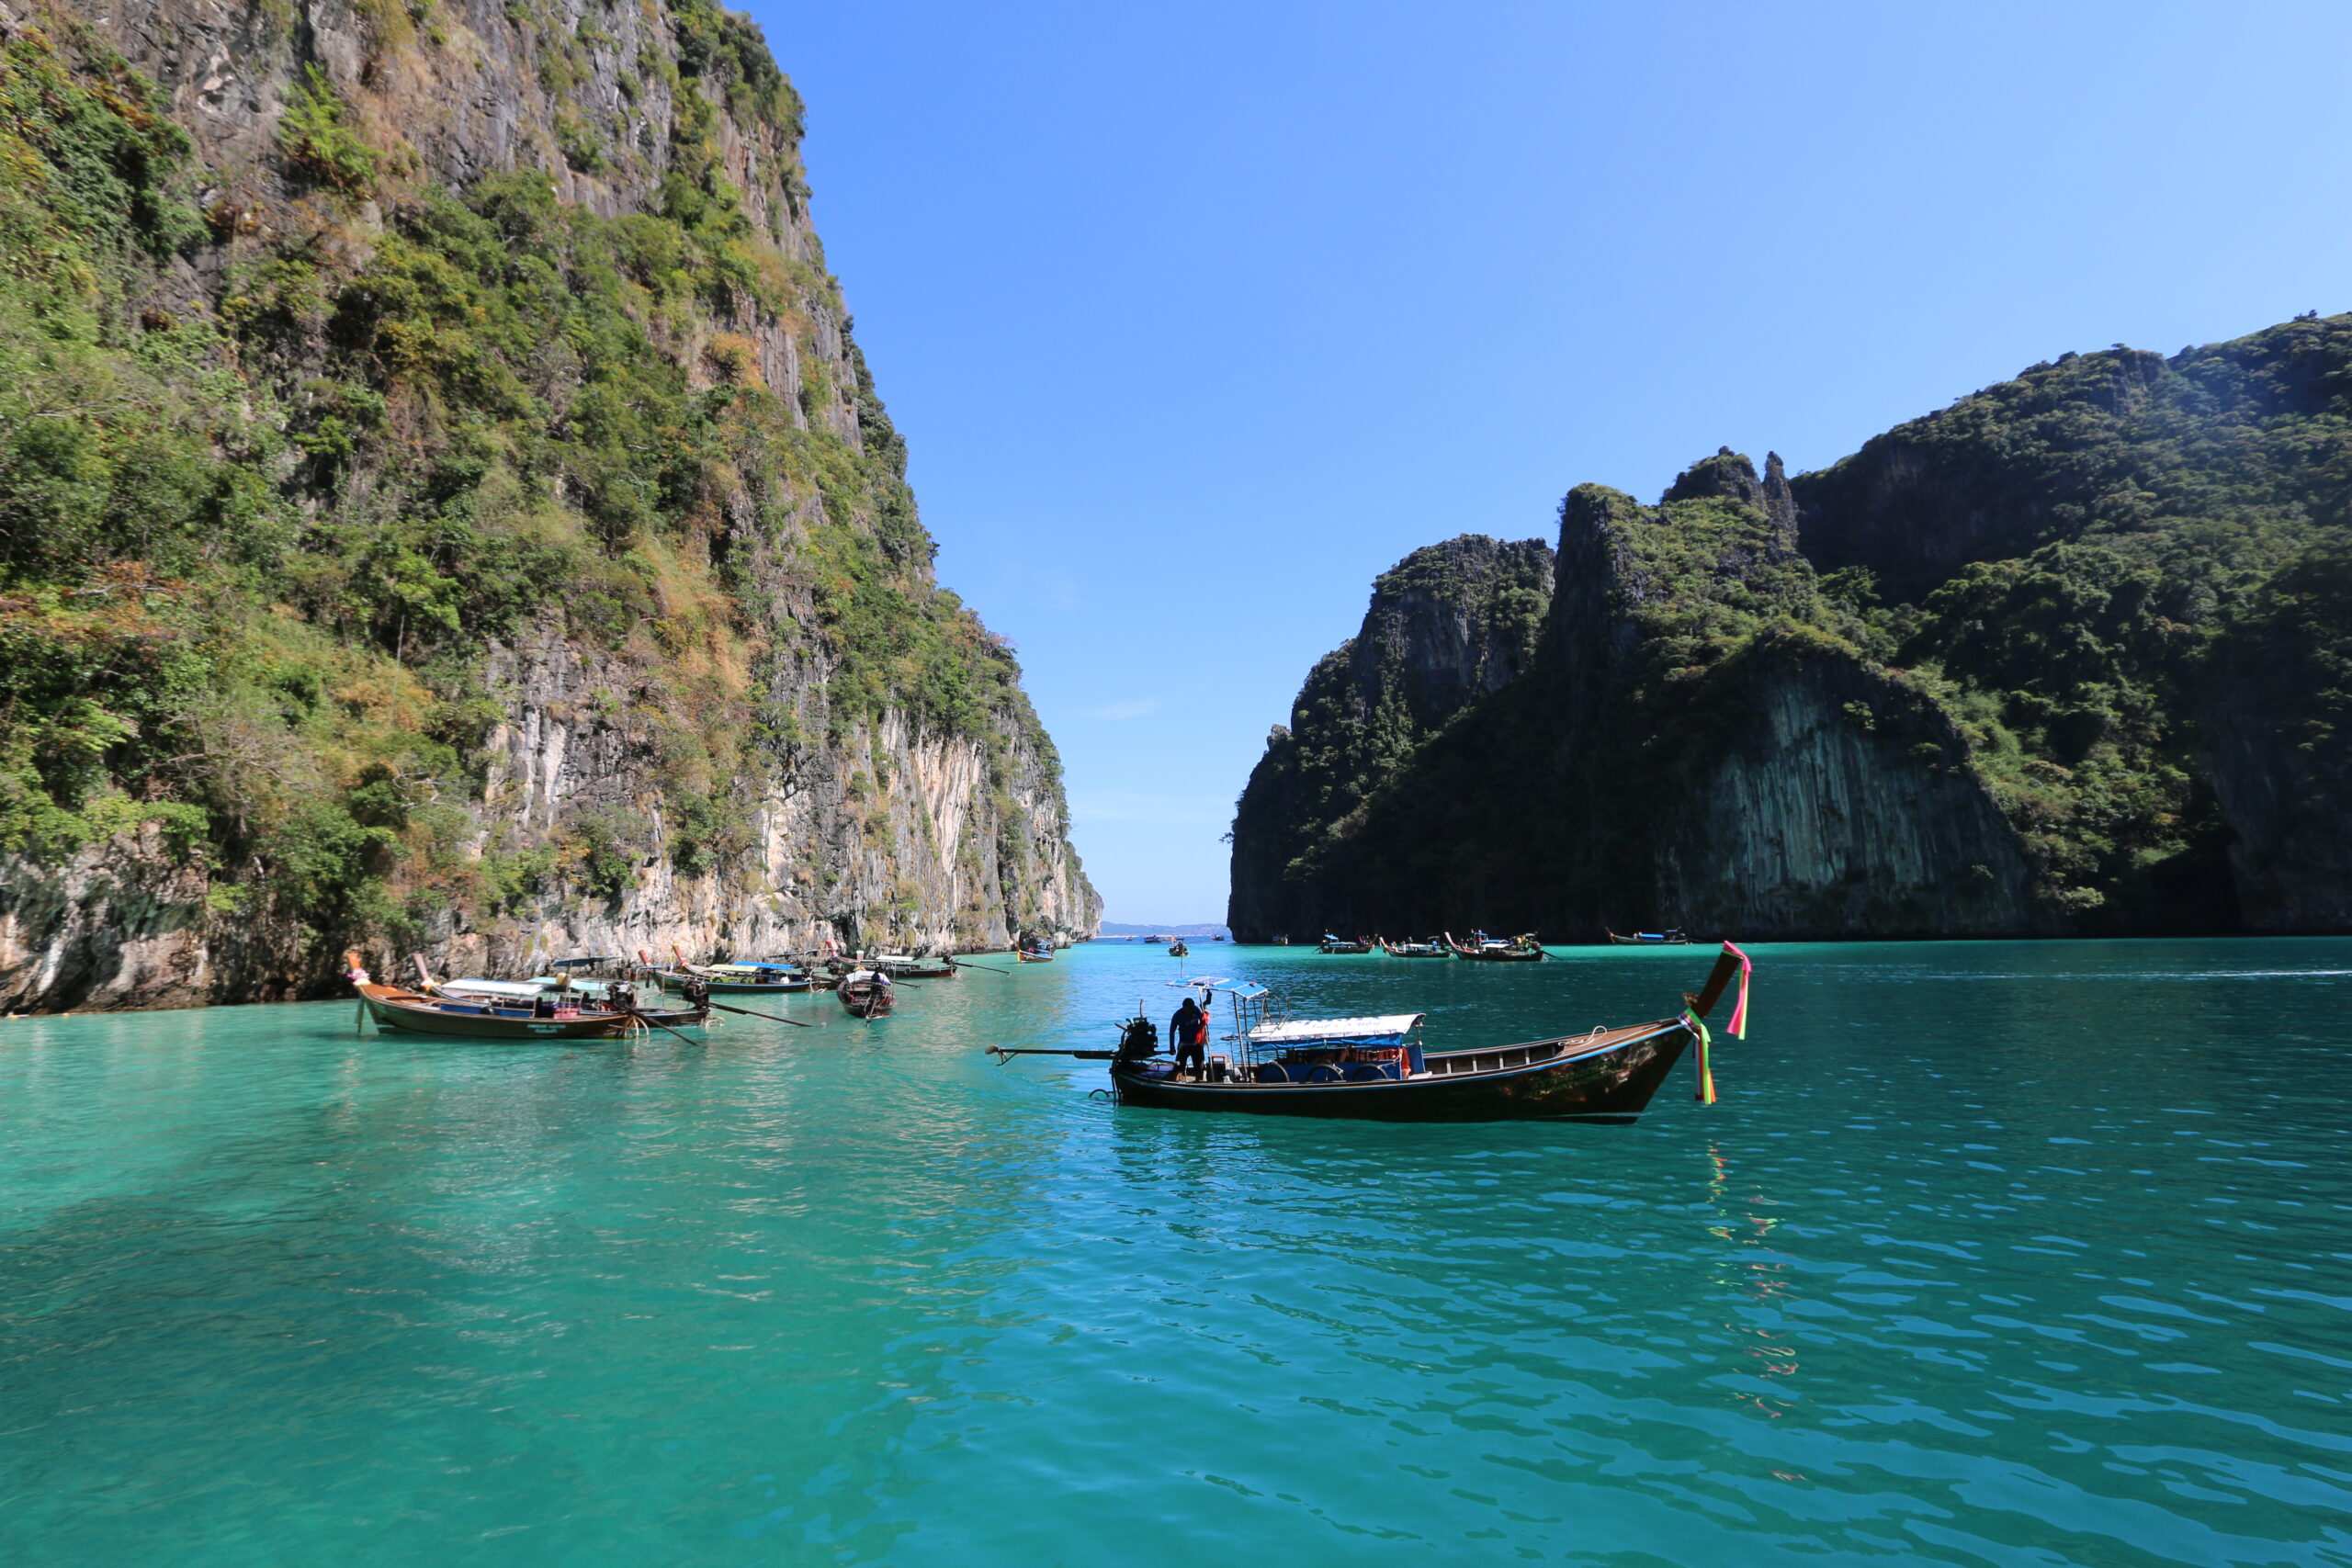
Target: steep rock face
{"x":1840,"y":805}
{"x":2063,"y":657}
{"x":1448,"y":624}
{"x":535,"y":569}
{"x":1692,"y":743}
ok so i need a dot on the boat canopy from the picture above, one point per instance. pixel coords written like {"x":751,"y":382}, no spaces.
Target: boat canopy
{"x":581,"y":963}
{"x":1386,"y":1029}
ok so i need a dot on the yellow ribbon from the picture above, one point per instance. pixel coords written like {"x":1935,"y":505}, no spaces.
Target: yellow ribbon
{"x":1698,"y":1026}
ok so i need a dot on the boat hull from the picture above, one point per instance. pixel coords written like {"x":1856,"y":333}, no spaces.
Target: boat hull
{"x":425,"y":1020}
{"x":862,"y":1002}
{"x":1608,"y":1077}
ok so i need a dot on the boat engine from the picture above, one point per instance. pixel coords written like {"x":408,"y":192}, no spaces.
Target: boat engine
{"x":1138,"y":1038}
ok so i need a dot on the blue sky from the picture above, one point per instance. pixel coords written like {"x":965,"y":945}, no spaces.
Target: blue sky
{"x":1199,"y":317}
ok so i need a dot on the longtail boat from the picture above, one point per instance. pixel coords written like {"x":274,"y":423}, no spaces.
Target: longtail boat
{"x":907,"y":966}
{"x":768,"y":977}
{"x":1034,"y":954}
{"x":867,"y":993}
{"x":1487,"y":949}
{"x":1418,"y":949}
{"x":1340,"y":945}
{"x":1380,"y":1069}
{"x":547,"y":1015}
{"x":1650,"y":939}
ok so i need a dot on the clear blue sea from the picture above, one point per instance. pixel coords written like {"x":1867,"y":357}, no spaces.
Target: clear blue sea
{"x":1991,"y":1253}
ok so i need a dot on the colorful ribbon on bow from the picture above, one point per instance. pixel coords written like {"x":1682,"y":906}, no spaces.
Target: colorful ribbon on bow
{"x":1738,"y":1024}
{"x":1697,"y":1028}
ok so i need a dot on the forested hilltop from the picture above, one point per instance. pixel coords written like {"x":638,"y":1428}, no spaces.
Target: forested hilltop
{"x":443,"y":507}
{"x":2071,"y":655}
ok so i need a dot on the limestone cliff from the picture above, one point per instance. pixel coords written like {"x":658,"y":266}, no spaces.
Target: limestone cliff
{"x":1692,"y":734}
{"x":1448,"y":624}
{"x":444,"y":509}
{"x":2064,"y":657}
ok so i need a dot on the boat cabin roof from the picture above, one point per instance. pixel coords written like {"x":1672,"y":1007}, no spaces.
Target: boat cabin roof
{"x":1308,"y":1031}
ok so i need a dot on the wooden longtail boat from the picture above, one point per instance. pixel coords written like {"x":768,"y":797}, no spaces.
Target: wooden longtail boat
{"x":1487,"y":949}
{"x":906,"y":966}
{"x":768,"y":977}
{"x":1650,"y":939}
{"x":477,"y":1017}
{"x":1376,"y":1068}
{"x":1418,"y":950}
{"x":1035,"y":954}
{"x":1341,"y":945}
{"x":867,"y":993}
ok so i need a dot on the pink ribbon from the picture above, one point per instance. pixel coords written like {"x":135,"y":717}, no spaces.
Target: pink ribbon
{"x":1738,"y":1024}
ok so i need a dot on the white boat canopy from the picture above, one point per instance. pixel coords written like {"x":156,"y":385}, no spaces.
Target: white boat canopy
{"x":1307,"y":1031}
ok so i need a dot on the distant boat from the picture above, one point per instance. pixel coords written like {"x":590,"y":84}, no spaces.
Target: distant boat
{"x":1340,"y":945}
{"x":1498,"y":950}
{"x":1650,"y":939}
{"x":1418,"y":950}
{"x":1034,"y":952}
{"x":1178,"y":949}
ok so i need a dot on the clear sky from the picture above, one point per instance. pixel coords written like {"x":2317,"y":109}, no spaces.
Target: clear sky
{"x":1198,"y":317}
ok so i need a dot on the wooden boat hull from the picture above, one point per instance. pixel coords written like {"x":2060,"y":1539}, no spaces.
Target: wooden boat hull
{"x":1035,"y":957}
{"x":1421,"y":953}
{"x":1649,"y":942}
{"x":1523,"y":955}
{"x":404,"y":1011}
{"x":869,"y":1002}
{"x":1609,"y":1076}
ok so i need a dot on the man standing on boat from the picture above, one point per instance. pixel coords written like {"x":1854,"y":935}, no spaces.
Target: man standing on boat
{"x":1188,"y":1031}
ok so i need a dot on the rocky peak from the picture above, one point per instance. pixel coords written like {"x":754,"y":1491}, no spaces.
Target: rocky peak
{"x":1451,"y":623}
{"x":1727,"y":476}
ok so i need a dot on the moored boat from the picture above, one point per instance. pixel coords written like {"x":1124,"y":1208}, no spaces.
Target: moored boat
{"x":547,"y":1014}
{"x":763,"y":977}
{"x":907,"y":966}
{"x":1487,"y":949}
{"x":867,"y":993}
{"x":1379,"y":1069}
{"x":1341,"y":945}
{"x":1418,"y":950}
{"x":1651,"y":938}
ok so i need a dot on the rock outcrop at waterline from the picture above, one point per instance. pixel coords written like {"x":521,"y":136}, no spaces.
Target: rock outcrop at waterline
{"x":442,"y":507}
{"x":2066,"y":657}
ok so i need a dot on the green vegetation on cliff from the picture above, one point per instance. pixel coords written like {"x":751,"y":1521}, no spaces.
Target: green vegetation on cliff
{"x":277,"y":474}
{"x":2071,"y":580}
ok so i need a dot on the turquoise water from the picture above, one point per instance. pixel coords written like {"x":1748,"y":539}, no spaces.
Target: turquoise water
{"x":1994,"y":1253}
